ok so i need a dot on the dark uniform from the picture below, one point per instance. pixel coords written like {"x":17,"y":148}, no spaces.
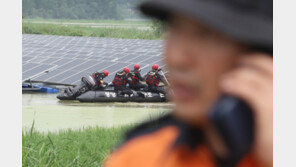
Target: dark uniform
{"x":120,"y":81}
{"x":136,"y":77}
{"x":98,"y":77}
{"x":153,"y":78}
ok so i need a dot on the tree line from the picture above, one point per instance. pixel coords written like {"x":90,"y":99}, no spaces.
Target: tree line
{"x":80,"y":9}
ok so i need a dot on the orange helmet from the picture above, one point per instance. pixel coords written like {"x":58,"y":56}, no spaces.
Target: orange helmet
{"x":126,"y":69}
{"x":155,"y":67}
{"x":106,"y":72}
{"x":136,"y":66}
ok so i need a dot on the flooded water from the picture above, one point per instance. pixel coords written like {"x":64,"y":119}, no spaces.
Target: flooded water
{"x":50,"y":114}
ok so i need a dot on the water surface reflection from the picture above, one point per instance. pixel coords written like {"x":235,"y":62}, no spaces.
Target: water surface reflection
{"x":49,"y":114}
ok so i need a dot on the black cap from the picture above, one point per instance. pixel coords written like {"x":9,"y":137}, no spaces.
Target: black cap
{"x":248,"y":21}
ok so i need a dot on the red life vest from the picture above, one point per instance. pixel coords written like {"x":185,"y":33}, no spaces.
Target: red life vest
{"x":135,"y":78}
{"x":119,"y":80}
{"x":152,"y":79}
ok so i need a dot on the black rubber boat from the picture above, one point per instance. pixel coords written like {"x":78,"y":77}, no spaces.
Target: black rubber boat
{"x":112,"y":96}
{"x":84,"y":92}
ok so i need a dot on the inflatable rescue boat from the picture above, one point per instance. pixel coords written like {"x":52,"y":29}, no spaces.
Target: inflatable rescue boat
{"x":85,"y":93}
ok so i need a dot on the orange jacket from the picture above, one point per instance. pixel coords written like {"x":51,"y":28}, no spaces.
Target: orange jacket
{"x":167,"y":143}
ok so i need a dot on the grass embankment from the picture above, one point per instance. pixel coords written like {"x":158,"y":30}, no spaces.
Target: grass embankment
{"x":84,"y":21}
{"x":87,"y":147}
{"x":89,"y":31}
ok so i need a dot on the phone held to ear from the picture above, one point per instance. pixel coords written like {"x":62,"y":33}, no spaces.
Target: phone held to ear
{"x":234,"y":121}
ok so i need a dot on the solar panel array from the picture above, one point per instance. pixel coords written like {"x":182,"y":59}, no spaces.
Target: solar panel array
{"x":64,"y":60}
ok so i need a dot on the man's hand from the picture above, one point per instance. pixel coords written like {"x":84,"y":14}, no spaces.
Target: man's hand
{"x":253,"y":82}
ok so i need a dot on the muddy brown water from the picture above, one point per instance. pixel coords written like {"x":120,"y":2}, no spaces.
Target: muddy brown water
{"x":50,"y":114}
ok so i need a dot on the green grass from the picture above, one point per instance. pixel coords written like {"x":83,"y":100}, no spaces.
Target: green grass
{"x":87,"y":147}
{"x":74,"y":30}
{"x":130,"y":22}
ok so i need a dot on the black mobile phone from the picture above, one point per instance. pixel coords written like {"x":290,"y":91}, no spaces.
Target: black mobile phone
{"x":233,"y":119}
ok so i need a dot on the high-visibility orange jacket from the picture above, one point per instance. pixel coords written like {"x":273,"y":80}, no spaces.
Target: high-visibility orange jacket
{"x":167,"y":142}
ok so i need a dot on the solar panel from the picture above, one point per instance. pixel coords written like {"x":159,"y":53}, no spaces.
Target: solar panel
{"x":36,"y":59}
{"x":61,"y":76}
{"x":63,"y":59}
{"x":85,"y":65}
{"x":29,"y":66}
{"x":35,"y":71}
{"x":71,"y":64}
{"x":49,"y":60}
{"x":50,"y":74}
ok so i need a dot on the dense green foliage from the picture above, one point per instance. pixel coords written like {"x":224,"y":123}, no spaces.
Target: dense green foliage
{"x":81,"y":21}
{"x":55,"y":29}
{"x":80,"y":9}
{"x":88,"y":11}
{"x":88,"y":147}
{"x":159,"y":27}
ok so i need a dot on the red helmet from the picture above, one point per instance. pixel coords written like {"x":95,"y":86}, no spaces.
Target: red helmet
{"x":106,"y":72}
{"x":155,"y":67}
{"x":126,"y":69}
{"x":136,"y":66}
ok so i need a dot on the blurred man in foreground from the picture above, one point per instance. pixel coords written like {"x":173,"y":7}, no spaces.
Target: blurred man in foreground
{"x":213,"y":47}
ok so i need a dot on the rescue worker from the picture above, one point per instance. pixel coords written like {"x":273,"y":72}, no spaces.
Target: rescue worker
{"x":136,"y":77}
{"x":120,"y":82}
{"x":212,"y":47}
{"x":99,"y":79}
{"x":93,"y":82}
{"x":153,"y":78}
